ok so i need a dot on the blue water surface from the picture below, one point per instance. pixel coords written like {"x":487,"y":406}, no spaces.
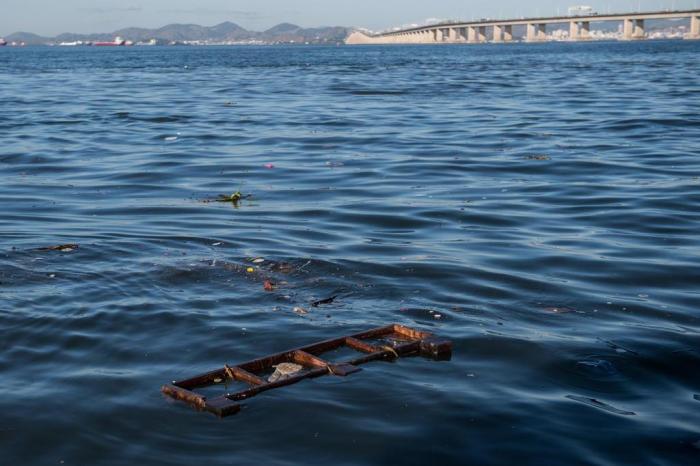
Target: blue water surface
{"x":539,"y":205}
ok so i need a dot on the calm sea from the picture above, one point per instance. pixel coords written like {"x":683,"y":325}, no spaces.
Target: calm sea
{"x":538,"y":205}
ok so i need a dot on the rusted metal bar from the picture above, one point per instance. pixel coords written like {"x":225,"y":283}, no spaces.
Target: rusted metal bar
{"x":251,"y":392}
{"x":360,"y":345}
{"x":391,"y":342}
{"x":244,"y":376}
{"x":307,"y":359}
{"x":410,"y":333}
{"x":203,"y":380}
{"x":343,"y":369}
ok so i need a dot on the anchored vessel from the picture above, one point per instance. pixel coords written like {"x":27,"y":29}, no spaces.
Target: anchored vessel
{"x":379,"y":344}
{"x":118,"y":41}
{"x":475,"y":32}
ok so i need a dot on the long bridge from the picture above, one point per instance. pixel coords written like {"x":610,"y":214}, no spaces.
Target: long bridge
{"x":482,"y":31}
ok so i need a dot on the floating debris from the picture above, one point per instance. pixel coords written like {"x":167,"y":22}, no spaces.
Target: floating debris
{"x":233,"y":198}
{"x":559,"y":310}
{"x":283,"y":267}
{"x":300,"y":311}
{"x":284,"y":371}
{"x":259,"y":260}
{"x":618,"y":348}
{"x":229,"y":372}
{"x":324,"y":301}
{"x":269,"y":165}
{"x":598,"y":367}
{"x":307,"y":263}
{"x":60,"y":248}
{"x":250,"y":270}
{"x":171,"y":138}
{"x":538,"y":157}
{"x":306,"y":363}
{"x":269,"y":286}
{"x":600,"y":405}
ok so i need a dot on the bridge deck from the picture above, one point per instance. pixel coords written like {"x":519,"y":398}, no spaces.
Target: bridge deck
{"x":549,"y":20}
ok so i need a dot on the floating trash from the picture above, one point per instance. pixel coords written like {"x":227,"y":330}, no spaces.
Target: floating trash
{"x":618,"y":348}
{"x":60,"y":248}
{"x":538,"y":157}
{"x":250,"y":270}
{"x":295,"y":365}
{"x":321,"y":302}
{"x":233,"y":198}
{"x":559,"y":310}
{"x":269,"y":286}
{"x":598,"y":367}
{"x":171,"y":138}
{"x":269,"y":165}
{"x":300,"y":311}
{"x":600,"y":405}
{"x":284,"y":371}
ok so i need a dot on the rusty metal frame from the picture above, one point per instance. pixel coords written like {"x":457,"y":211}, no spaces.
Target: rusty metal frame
{"x":403,"y":342}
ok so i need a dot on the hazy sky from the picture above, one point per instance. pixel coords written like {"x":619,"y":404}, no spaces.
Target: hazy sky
{"x":50,"y":17}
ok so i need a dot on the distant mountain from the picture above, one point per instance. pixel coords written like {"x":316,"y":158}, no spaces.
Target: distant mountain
{"x":283,"y":28}
{"x":26,"y":37}
{"x":221,"y":33}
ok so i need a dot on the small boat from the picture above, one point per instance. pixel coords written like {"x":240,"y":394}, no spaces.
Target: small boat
{"x":3,"y":42}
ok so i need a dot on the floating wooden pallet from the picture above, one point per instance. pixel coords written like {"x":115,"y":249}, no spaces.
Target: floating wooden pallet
{"x":384,"y":343}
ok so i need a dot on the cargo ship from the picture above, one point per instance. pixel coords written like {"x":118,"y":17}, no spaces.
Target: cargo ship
{"x":118,"y":42}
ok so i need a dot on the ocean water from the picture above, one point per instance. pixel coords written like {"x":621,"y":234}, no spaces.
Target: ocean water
{"x":539,"y":205}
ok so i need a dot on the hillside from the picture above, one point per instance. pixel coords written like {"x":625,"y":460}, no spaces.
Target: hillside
{"x":226,"y":32}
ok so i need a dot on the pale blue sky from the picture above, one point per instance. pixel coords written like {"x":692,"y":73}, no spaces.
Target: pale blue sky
{"x":50,"y":17}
